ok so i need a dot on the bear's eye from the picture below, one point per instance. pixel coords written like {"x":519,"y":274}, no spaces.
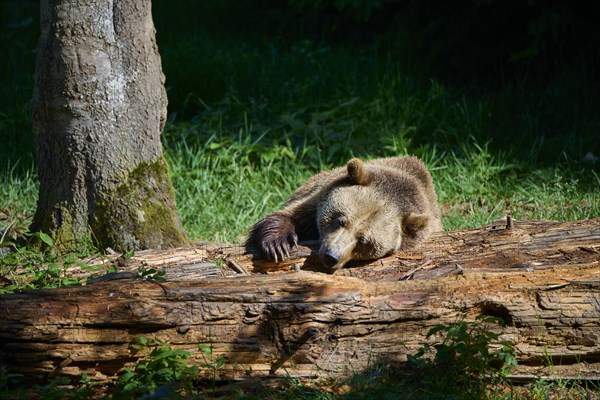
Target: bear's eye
{"x":362,"y":239}
{"x":341,"y":221}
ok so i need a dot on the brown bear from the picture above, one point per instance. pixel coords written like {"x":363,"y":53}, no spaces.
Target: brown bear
{"x":364,"y":211}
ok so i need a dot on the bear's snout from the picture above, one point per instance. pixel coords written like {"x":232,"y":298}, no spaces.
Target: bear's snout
{"x":330,"y":257}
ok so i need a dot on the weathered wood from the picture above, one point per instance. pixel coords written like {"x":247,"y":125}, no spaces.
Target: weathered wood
{"x":542,"y":278}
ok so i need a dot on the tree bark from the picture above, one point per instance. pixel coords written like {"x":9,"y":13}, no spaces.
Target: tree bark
{"x":99,"y":106}
{"x":542,"y":278}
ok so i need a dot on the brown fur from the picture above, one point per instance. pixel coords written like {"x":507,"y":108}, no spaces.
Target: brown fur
{"x":361,"y":212}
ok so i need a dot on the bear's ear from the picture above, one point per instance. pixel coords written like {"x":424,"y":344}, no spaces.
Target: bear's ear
{"x":414,"y":223}
{"x":357,"y":172}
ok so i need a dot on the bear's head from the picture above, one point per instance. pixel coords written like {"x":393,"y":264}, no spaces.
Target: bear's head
{"x":369,"y":217}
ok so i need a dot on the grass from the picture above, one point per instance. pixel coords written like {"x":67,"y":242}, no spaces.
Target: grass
{"x":223,"y":185}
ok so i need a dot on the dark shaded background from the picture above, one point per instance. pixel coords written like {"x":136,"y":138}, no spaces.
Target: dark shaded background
{"x":475,"y":47}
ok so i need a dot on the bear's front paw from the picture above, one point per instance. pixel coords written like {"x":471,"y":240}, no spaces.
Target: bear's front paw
{"x":275,"y":236}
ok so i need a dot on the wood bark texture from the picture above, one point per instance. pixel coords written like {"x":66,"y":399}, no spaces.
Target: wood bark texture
{"x":99,"y":106}
{"x":542,"y":278}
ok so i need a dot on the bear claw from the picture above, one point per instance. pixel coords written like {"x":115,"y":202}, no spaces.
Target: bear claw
{"x":279,"y":250}
{"x":275,"y":236}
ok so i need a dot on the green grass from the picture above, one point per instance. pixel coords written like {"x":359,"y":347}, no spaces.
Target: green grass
{"x":479,"y":188}
{"x":19,"y":191}
{"x":223,"y":185}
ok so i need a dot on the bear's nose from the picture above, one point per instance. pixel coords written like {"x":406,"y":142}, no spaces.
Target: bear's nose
{"x":330,"y":258}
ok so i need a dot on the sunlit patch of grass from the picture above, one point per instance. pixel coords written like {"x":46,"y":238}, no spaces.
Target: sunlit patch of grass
{"x":224,"y":186}
{"x":18,"y":193}
{"x":477,"y":188}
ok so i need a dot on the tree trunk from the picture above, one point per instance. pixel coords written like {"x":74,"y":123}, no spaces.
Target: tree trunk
{"x":541,"y":278}
{"x":99,"y":106}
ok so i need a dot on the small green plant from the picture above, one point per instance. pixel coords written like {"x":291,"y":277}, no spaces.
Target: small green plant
{"x":162,"y":369}
{"x":129,"y":254}
{"x":39,"y":267}
{"x":210,"y":362}
{"x":85,"y":389}
{"x":463,"y":357}
{"x":151,"y":274}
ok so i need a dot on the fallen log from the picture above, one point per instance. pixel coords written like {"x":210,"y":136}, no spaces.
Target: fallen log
{"x":542,"y":278}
